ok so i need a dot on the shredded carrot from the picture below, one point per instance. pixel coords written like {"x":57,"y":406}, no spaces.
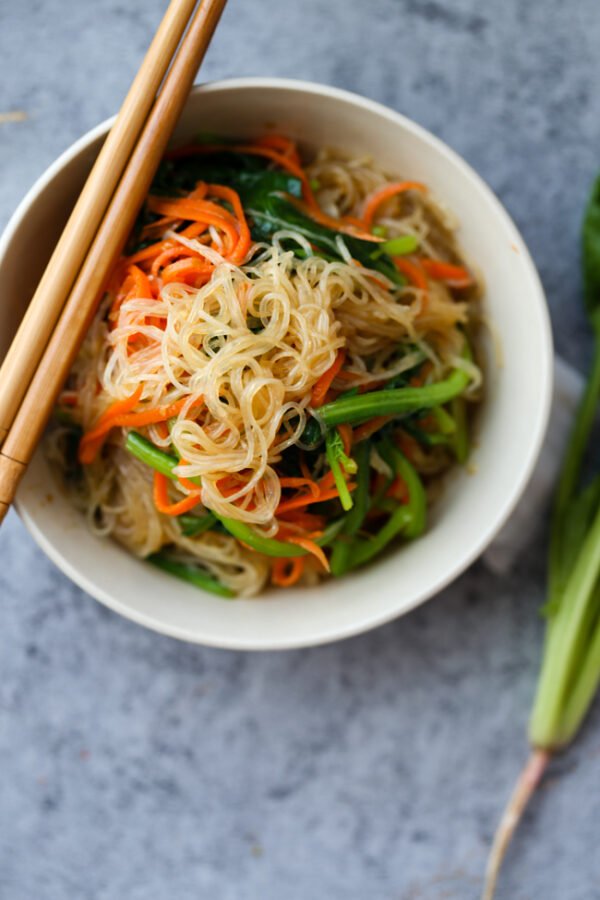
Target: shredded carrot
{"x":398,"y":490}
{"x":119,"y":417}
{"x":281,"y":143}
{"x":304,"y":467}
{"x":195,"y":269}
{"x":378,"y":196}
{"x":313,"y":548}
{"x":327,"y":481}
{"x":232,"y":197}
{"x":407,"y":444}
{"x":307,"y":499}
{"x":199,"y":211}
{"x":455,"y":276}
{"x":320,"y":388}
{"x":135,"y":283}
{"x":185,"y":482}
{"x":286,"y":572}
{"x":412,"y":270}
{"x":364,"y":431}
{"x":161,"y":498}
{"x":345,"y":432}
{"x":301,"y":482}
{"x":169,"y":255}
{"x":88,"y":448}
{"x":304,"y":520}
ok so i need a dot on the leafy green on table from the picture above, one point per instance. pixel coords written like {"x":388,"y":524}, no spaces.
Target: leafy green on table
{"x":570,"y":671}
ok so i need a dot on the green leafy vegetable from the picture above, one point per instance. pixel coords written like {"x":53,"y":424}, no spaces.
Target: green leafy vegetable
{"x":340,"y":557}
{"x":591,"y":251}
{"x":165,"y":463}
{"x":570,"y":671}
{"x":194,"y":574}
{"x":337,"y":459}
{"x":393,"y":402}
{"x":192,"y":526}
{"x":265,"y":193}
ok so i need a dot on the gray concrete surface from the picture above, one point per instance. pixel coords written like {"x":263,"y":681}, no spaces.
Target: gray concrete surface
{"x":133,"y":766}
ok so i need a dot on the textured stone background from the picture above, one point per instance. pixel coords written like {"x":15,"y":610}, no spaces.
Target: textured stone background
{"x":133,"y":766}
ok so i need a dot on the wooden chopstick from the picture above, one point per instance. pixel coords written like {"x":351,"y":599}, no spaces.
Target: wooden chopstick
{"x":79,"y":310}
{"x":52,"y":291}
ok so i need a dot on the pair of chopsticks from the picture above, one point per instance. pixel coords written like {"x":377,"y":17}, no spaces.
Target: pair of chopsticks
{"x":63,"y":306}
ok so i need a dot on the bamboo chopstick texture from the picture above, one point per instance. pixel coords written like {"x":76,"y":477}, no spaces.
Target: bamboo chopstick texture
{"x":46,"y":304}
{"x":54,"y":366}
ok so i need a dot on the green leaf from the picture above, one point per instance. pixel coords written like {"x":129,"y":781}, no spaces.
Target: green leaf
{"x":276,"y":213}
{"x":264,"y":194}
{"x":591,"y":251}
{"x":577,"y":520}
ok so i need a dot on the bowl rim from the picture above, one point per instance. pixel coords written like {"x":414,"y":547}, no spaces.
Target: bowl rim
{"x":538,"y":424}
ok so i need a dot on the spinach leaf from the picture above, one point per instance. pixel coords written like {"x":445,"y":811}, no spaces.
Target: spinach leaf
{"x":276,"y":213}
{"x":264,"y":194}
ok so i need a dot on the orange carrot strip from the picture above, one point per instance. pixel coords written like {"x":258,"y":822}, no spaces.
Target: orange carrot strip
{"x":92,"y":440}
{"x":186,"y":481}
{"x":153,"y":415}
{"x":161,"y":498}
{"x":286,"y":572}
{"x":299,"y":502}
{"x":412,"y":270}
{"x":321,"y":386}
{"x":364,"y":431}
{"x":304,"y":468}
{"x":286,"y":162}
{"x":149,"y":252}
{"x":89,"y":445}
{"x":232,"y":197}
{"x":378,"y":196}
{"x":199,"y":211}
{"x":407,"y":444}
{"x":135,"y":284}
{"x":313,"y":548}
{"x":301,"y":482}
{"x":327,"y":481}
{"x":280,"y":143}
{"x":167,"y":256}
{"x":455,"y":276}
{"x":199,"y":270}
{"x":345,"y":432}
{"x":305,"y":520}
{"x":398,"y":490}
{"x":290,"y":165}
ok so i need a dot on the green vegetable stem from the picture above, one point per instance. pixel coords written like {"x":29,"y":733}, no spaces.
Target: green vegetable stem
{"x":163,"y":462}
{"x":398,"y":401}
{"x":570,"y":671}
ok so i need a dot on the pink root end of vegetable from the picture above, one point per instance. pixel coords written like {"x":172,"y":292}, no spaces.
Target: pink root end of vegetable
{"x":528,"y":781}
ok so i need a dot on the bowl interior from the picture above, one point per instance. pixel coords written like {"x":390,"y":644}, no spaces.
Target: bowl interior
{"x":474,"y":504}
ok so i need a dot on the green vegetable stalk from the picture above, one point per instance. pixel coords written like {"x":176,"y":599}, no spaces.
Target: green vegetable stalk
{"x":570,"y":672}
{"x":339,"y":462}
{"x":193,"y":574}
{"x":163,"y":462}
{"x":394,"y":402}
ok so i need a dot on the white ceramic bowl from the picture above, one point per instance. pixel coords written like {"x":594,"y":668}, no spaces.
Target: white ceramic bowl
{"x":473,"y":507}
